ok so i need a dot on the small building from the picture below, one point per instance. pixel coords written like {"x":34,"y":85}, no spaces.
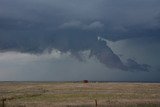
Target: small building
{"x":85,"y":81}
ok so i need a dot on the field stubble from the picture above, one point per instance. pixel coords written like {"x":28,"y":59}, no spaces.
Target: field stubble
{"x":28,"y":94}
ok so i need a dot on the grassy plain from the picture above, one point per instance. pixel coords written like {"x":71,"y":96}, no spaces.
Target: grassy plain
{"x":67,"y":94}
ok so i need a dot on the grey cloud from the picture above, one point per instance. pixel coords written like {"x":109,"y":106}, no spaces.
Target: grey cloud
{"x":36,"y":26}
{"x":65,"y":42}
{"x":19,"y":66}
{"x":106,"y":56}
{"x":134,"y":66}
{"x":94,"y":25}
{"x":80,"y":25}
{"x":125,"y":16}
{"x":71,"y":24}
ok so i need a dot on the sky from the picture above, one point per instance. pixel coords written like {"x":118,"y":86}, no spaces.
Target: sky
{"x":73,"y":40}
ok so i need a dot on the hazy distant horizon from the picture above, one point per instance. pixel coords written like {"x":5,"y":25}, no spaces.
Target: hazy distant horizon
{"x":90,"y":81}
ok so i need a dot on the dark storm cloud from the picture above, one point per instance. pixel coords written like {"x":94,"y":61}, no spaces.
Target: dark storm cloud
{"x":74,"y":25}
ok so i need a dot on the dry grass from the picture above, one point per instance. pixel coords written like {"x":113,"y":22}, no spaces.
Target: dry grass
{"x":80,"y":95}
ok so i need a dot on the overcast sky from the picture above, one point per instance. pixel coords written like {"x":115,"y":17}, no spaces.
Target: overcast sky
{"x":71,"y":40}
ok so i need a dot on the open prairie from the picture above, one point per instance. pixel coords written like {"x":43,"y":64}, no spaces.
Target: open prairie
{"x":67,"y":94}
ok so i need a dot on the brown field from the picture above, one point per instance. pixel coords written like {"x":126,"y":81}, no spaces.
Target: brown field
{"x":52,"y":94}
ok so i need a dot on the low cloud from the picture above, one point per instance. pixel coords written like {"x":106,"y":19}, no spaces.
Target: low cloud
{"x":71,"y":24}
{"x":94,"y":25}
{"x":79,"y":25}
{"x":132,"y":65}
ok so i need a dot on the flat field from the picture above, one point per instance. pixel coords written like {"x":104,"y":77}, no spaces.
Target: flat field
{"x":67,"y":94}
